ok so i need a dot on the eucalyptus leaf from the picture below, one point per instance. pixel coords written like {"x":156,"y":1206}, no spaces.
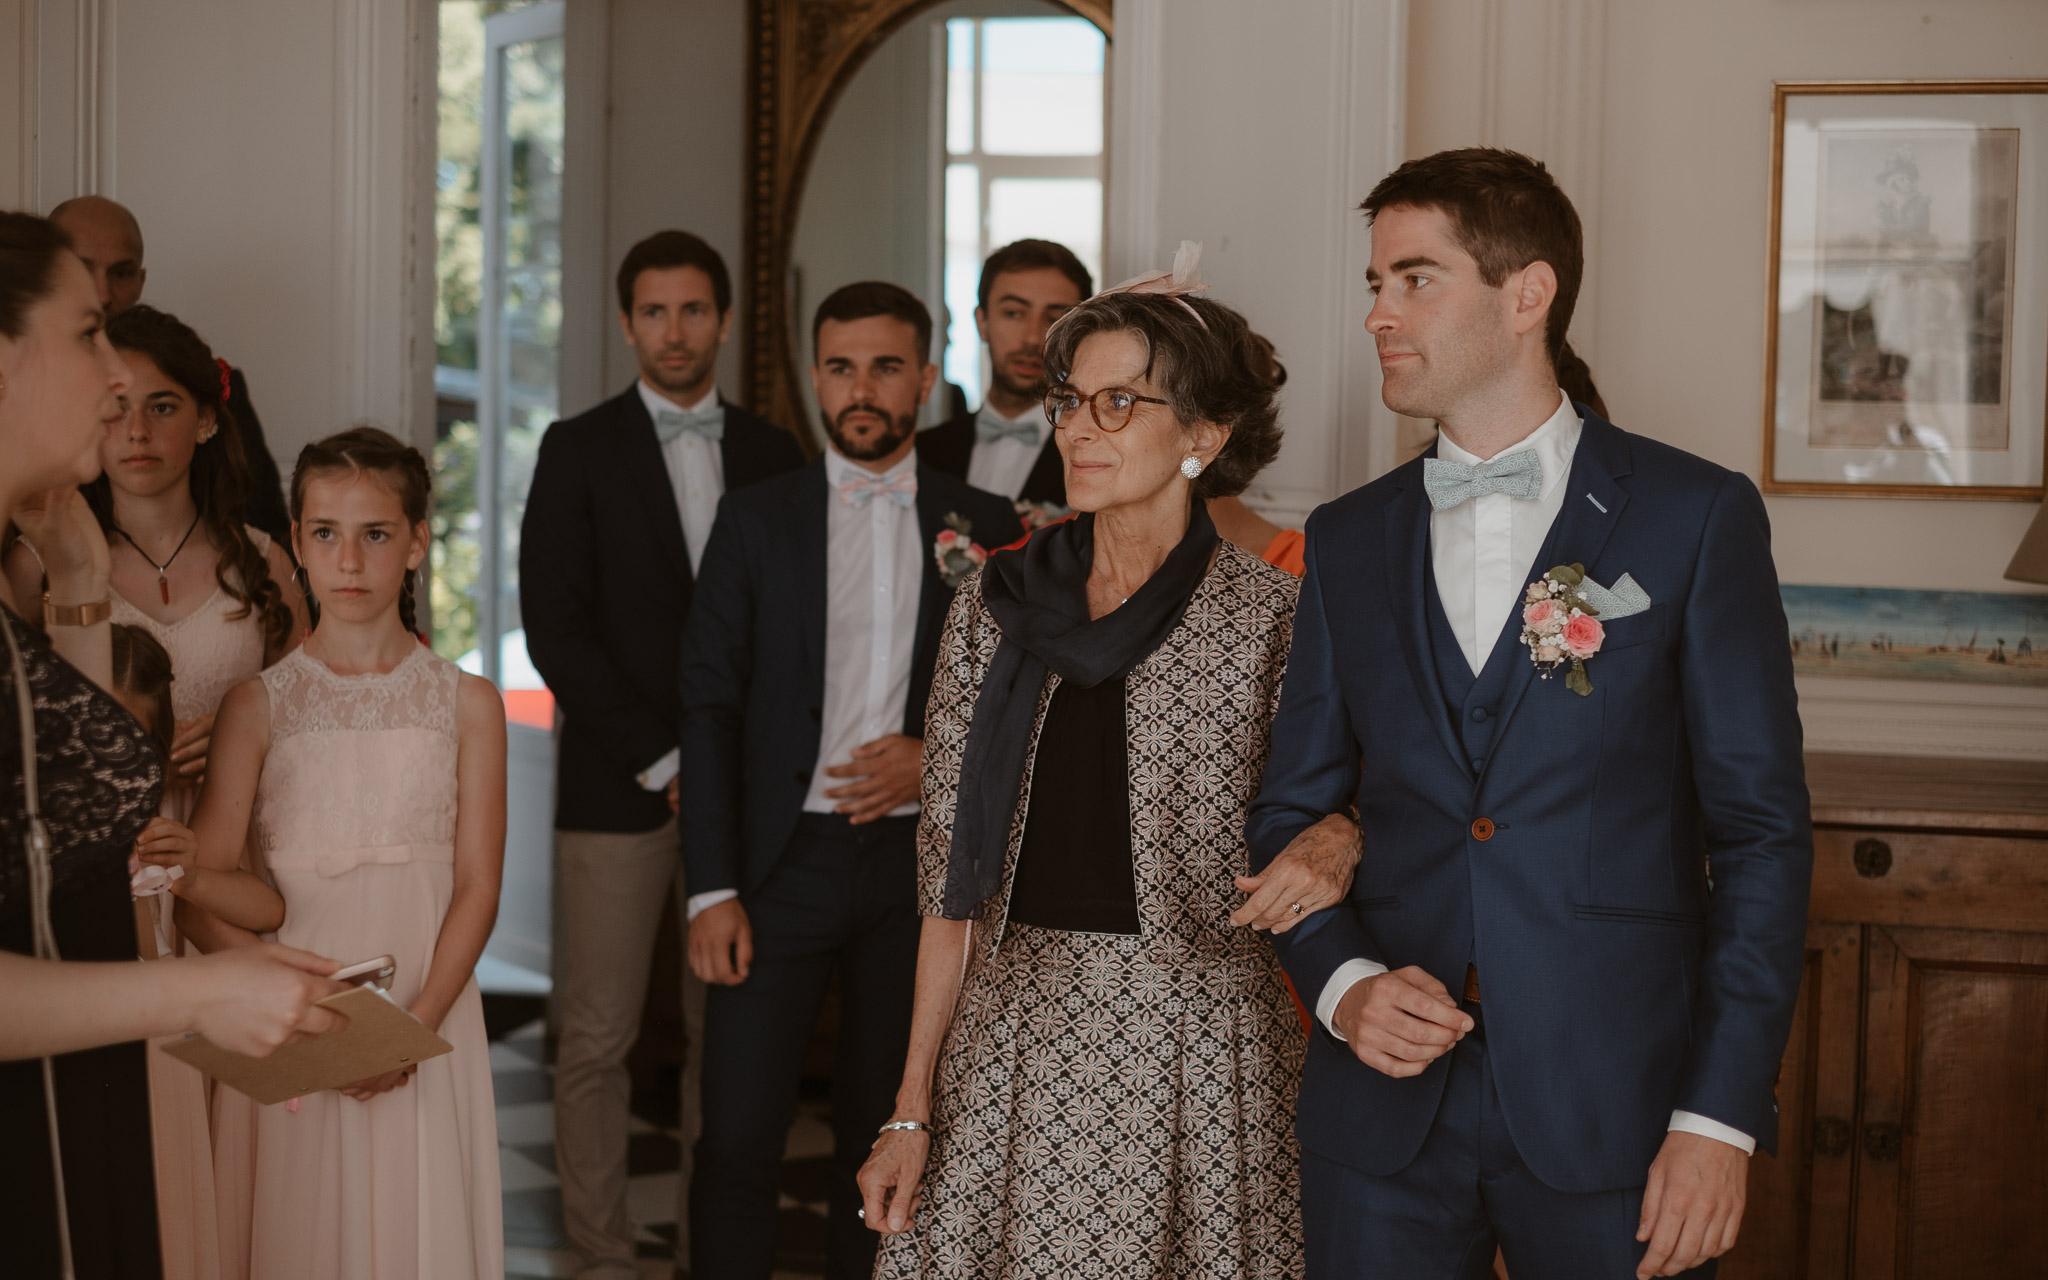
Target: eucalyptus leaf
{"x":1577,"y":681}
{"x":1571,"y":575}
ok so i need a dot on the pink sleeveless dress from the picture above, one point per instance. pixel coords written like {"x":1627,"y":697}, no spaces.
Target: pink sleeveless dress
{"x":211,"y":652}
{"x":355,"y":817}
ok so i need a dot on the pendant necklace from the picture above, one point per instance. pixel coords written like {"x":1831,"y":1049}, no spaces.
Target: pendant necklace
{"x":163,"y":583}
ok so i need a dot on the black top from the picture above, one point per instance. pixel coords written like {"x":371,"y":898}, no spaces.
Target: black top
{"x":100,"y":779}
{"x":1074,"y":871}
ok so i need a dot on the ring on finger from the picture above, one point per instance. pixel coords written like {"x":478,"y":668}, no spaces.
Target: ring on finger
{"x":1296,"y":908}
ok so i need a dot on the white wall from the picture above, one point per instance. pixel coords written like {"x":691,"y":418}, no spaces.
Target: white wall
{"x":1256,"y":129}
{"x":268,"y":149}
{"x":1656,"y":117}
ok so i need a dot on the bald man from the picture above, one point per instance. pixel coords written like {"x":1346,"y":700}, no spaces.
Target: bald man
{"x":109,"y":240}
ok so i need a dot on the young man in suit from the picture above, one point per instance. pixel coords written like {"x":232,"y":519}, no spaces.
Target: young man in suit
{"x":1007,"y":447}
{"x":806,"y":666}
{"x":109,"y":241}
{"x":616,"y":524}
{"x":1541,"y":1023}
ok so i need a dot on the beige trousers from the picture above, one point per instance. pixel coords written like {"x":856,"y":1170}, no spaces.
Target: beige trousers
{"x":611,"y":891}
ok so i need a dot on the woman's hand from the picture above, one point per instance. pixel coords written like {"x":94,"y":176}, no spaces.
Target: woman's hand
{"x":1312,"y":872}
{"x":892,"y":1181}
{"x":254,"y":999}
{"x":164,"y":843}
{"x":189,"y":746}
{"x":67,"y":538}
{"x":364,"y":1090}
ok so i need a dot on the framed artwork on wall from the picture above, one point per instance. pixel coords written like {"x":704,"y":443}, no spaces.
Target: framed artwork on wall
{"x":1907,"y":334}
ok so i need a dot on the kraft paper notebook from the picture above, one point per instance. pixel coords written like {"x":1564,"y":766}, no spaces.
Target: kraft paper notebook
{"x":379,"y":1037}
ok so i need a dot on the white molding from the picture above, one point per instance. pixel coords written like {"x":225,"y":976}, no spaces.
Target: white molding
{"x":1574,"y":137}
{"x":1924,"y":718}
{"x":68,"y":100}
{"x":1374,"y":143}
{"x":1134,"y":166}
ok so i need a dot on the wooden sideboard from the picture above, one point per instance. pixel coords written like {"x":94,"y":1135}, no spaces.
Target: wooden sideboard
{"x":1913,"y":1096}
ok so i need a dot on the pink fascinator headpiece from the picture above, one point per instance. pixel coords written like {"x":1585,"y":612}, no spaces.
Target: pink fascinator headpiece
{"x":1185,"y":278}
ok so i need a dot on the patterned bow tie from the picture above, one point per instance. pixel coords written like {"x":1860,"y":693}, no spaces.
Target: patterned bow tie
{"x":860,"y":489}
{"x":1518,"y":475}
{"x":990,"y":426}
{"x":709,"y":423}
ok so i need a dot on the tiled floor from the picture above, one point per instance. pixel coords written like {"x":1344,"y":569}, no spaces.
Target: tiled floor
{"x":534,"y":1246}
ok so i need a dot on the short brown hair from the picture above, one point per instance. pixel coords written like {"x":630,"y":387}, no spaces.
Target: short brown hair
{"x":1207,"y":362}
{"x":30,"y":249}
{"x":1505,"y":210}
{"x":668,"y":249}
{"x":867,"y":298}
{"x":1033,"y":255}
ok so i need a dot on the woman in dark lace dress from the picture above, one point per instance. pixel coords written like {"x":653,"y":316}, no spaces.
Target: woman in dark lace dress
{"x":98,"y":781}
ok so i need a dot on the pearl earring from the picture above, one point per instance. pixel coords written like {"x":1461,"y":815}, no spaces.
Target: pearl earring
{"x":1191,"y":466}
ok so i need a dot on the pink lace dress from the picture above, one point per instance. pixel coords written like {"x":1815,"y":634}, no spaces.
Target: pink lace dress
{"x":355,"y":816}
{"x":211,"y":652}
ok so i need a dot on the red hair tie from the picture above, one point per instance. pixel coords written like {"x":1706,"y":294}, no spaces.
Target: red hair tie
{"x":225,"y":370}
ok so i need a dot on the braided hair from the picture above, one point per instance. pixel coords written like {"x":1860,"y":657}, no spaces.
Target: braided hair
{"x":398,"y":464}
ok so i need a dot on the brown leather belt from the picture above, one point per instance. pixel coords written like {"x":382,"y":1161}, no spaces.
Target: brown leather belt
{"x":1472,"y":984}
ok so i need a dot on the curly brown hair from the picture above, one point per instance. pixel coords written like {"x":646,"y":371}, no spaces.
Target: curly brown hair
{"x":220,"y":468}
{"x":1208,"y":364}
{"x":401,"y":466}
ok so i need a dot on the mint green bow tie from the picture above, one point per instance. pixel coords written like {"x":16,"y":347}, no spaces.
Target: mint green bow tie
{"x":1518,"y":475}
{"x":709,"y":423}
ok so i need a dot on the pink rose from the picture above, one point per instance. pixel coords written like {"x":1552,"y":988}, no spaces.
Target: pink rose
{"x":947,"y":537}
{"x":1582,"y":636}
{"x":1537,"y":613}
{"x":1536,"y":592}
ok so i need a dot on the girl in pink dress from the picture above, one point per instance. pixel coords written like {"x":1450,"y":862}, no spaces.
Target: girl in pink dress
{"x":374,"y":774}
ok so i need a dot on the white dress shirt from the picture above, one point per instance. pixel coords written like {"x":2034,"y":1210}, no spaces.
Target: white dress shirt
{"x":1004,"y":465}
{"x":1483,"y":556}
{"x":696,"y":473}
{"x":874,"y":573}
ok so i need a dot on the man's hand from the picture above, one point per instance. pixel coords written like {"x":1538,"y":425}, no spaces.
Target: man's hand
{"x":1312,"y":872}
{"x":1692,"y":1207}
{"x":1400,"y":1022}
{"x":888,"y":773}
{"x":722,"y":943}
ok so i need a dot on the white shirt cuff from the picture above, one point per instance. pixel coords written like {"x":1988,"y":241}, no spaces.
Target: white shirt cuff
{"x":699,"y":903}
{"x":657,"y":776}
{"x":1688,"y":1122}
{"x":1348,"y":975}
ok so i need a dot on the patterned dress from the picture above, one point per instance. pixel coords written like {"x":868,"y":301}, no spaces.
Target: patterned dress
{"x":1109,"y":1105}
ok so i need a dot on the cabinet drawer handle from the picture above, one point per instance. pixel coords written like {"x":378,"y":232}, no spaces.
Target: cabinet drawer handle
{"x":1881,"y":1141}
{"x":1830,"y":1136}
{"x":1872,"y":858}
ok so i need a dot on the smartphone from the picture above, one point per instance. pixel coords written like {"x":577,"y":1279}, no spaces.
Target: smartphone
{"x":371,"y":973}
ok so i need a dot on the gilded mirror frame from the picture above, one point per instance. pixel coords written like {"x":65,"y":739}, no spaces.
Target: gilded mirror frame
{"x":802,"y":53}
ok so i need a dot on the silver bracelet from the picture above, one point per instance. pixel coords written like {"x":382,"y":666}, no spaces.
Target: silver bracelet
{"x":918,"y":1126}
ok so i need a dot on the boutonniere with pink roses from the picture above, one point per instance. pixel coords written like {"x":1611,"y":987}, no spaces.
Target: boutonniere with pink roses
{"x":958,"y":555}
{"x":1036,"y":515}
{"x":1561,"y":619}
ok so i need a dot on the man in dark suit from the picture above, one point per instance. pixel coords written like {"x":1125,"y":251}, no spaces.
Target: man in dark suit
{"x":1007,"y":447}
{"x":621,"y":508}
{"x":109,"y":241}
{"x":806,"y":667}
{"x":1542,"y":1023}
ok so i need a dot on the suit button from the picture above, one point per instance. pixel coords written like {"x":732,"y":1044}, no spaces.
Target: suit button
{"x":1482,"y":828}
{"x":1479,"y":714}
{"x":803,"y":778}
{"x":1478,"y":763}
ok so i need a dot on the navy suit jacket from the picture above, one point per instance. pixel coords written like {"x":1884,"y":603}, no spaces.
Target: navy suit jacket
{"x":604,"y":586}
{"x":950,"y":447}
{"x":753,"y":680}
{"x":1620,"y":983}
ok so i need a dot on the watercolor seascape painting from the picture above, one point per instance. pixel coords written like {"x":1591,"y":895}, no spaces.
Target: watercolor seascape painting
{"x":1982,"y":637}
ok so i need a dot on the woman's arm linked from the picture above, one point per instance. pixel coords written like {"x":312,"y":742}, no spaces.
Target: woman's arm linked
{"x":892,"y":1180}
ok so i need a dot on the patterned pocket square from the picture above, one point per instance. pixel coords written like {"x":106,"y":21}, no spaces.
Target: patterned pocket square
{"x":1624,"y":599}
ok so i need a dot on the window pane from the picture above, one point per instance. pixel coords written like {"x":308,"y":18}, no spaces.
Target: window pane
{"x":1041,"y":87}
{"x":1068,"y":210}
{"x":962,"y":361}
{"x":960,"y":86}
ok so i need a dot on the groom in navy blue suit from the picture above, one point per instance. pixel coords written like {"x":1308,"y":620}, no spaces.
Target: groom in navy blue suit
{"x":1552,"y":1007}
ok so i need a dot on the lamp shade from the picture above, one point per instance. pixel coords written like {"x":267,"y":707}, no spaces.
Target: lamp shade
{"x":2030,"y":562}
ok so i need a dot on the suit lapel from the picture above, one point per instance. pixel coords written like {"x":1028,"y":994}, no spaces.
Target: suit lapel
{"x":810,"y":526}
{"x":647,"y":480}
{"x":1048,"y":479}
{"x":1407,"y":553}
{"x":934,"y":504}
{"x":1592,"y":507}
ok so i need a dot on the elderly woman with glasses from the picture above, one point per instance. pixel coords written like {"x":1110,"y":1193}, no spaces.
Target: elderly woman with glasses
{"x":1102,"y":1066}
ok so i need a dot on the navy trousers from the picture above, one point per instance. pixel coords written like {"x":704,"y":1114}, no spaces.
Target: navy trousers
{"x":1466,"y":1191}
{"x":841,"y":898}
